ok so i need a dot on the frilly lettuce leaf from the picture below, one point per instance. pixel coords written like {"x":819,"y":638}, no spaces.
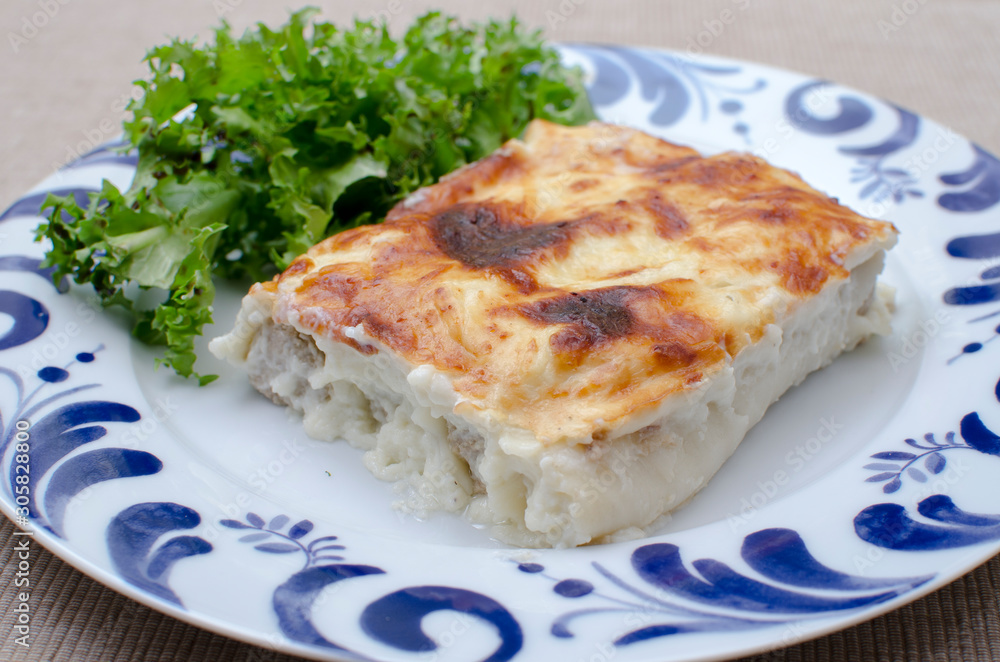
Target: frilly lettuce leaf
{"x":253,"y":148}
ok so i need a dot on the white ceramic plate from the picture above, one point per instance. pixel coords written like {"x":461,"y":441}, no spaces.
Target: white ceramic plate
{"x":871,"y":484}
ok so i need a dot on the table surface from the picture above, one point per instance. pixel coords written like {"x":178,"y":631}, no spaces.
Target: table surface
{"x":64,"y":82}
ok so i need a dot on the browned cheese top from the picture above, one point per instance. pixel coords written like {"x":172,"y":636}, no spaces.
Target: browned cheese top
{"x":573,"y":279}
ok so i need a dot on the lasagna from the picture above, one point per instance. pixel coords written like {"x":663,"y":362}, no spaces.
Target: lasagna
{"x":568,"y":338}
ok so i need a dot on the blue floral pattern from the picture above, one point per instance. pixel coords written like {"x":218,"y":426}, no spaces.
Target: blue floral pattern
{"x":893,"y":465}
{"x":981,"y":180}
{"x":60,"y":431}
{"x":881,"y":182}
{"x":393,"y":619}
{"x":293,"y":599}
{"x":889,"y":525}
{"x":57,"y":424}
{"x":716,"y":598}
{"x":878,"y":181}
{"x":278,"y":542}
{"x":669,"y":83}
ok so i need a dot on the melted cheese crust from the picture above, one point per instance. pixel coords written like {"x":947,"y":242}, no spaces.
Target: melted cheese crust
{"x":580,"y":276}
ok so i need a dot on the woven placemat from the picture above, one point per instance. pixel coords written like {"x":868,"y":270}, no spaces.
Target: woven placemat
{"x":66,"y":83}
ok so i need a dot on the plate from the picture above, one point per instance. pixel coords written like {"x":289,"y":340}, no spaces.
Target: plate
{"x":869,"y":485}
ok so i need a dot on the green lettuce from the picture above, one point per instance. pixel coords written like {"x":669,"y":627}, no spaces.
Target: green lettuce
{"x":253,"y":148}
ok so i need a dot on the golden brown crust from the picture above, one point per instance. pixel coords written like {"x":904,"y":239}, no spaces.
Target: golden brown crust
{"x":572,"y":279}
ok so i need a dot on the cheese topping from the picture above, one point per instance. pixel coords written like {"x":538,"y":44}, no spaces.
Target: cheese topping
{"x":581,"y":276}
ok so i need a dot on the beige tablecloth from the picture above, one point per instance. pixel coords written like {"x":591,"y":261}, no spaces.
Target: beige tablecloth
{"x":63,"y":83}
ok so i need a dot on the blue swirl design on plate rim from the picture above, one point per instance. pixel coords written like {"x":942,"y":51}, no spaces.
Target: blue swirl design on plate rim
{"x":983,"y":194}
{"x":132,"y":543}
{"x":981,"y":181}
{"x":394,"y":619}
{"x":669,"y":83}
{"x":878,"y":181}
{"x":976,"y":247}
{"x":979,"y":186}
{"x":60,"y":425}
{"x":146,"y":539}
{"x":889,"y":525}
{"x":793,"y":586}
